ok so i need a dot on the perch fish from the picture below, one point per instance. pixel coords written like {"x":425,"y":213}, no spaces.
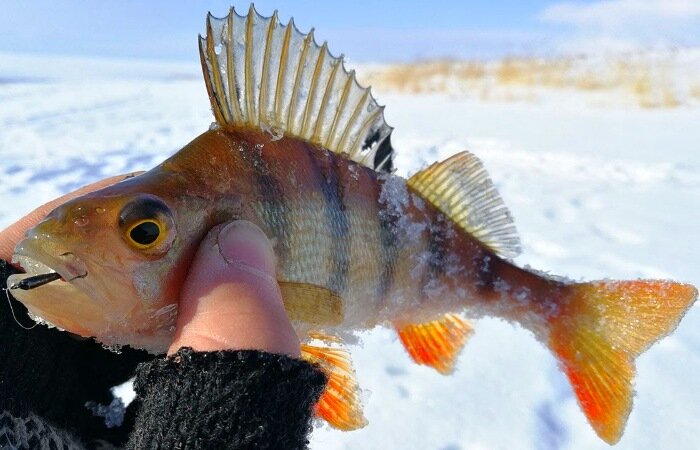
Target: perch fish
{"x":302,"y":150}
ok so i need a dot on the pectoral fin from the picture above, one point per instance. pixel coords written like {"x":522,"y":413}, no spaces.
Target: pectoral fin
{"x":311,"y":304}
{"x":438,"y":343}
{"x":339,"y":404}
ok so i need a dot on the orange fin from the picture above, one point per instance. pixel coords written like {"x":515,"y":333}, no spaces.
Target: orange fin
{"x":339,"y":404}
{"x":438,"y":343}
{"x":599,"y":331}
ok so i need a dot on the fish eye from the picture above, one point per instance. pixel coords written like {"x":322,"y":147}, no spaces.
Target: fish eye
{"x":147,"y":225}
{"x":144,"y":233}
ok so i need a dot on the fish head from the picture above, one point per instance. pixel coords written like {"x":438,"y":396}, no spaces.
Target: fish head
{"x":121,"y":263}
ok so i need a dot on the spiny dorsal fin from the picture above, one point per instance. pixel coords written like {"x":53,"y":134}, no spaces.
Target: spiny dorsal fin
{"x":438,"y":343}
{"x":339,"y":404}
{"x":463,"y":191}
{"x":264,"y":74}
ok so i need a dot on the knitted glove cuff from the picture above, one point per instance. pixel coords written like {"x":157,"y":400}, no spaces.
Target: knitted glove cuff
{"x":226,"y":399}
{"x":53,"y":374}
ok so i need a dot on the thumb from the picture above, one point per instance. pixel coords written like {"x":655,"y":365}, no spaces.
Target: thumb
{"x":231,"y":299}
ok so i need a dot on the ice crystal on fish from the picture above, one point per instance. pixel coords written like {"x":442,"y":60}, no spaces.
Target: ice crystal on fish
{"x":274,"y":132}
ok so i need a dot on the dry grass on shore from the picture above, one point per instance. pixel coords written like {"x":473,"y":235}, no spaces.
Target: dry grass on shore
{"x":642,"y":80}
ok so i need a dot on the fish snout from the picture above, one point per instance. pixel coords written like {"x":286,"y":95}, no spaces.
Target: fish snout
{"x":71,"y":217}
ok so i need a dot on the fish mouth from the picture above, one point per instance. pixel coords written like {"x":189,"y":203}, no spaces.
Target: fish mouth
{"x":84,"y":304}
{"x":62,"y":303}
{"x":35,"y":259}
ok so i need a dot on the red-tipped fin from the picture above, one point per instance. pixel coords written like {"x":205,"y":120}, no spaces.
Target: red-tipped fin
{"x":601,"y":328}
{"x":438,"y":343}
{"x":339,"y":404}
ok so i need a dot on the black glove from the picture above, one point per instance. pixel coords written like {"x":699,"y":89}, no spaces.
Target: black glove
{"x":53,"y":374}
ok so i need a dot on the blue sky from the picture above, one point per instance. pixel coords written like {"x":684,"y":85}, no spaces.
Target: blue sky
{"x":364,"y":30}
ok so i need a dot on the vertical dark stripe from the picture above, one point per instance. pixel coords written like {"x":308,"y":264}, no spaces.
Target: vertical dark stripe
{"x":438,"y":246}
{"x":485,"y":271}
{"x":330,"y":182}
{"x":274,"y":208}
{"x":389,"y":240}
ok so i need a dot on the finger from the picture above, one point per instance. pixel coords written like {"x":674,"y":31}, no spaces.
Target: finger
{"x":10,"y":236}
{"x":231,"y":299}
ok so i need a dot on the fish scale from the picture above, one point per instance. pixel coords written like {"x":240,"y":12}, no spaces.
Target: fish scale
{"x":303,"y":151}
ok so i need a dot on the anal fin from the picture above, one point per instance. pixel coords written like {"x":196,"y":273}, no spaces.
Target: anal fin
{"x":438,"y":343}
{"x":339,"y":404}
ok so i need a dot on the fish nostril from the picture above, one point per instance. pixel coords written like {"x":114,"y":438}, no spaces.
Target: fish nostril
{"x":79,"y":215}
{"x":81,"y":221}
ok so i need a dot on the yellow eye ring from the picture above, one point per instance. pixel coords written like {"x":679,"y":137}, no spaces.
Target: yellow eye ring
{"x":145,"y":234}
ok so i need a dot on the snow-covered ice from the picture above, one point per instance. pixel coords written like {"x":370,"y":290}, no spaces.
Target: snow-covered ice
{"x":595,"y":191}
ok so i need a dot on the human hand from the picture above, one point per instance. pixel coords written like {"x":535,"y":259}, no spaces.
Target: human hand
{"x":209,"y":317}
{"x":51,"y":373}
{"x":231,"y":299}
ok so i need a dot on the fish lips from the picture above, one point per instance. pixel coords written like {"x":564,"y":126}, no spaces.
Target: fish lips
{"x":36,"y":259}
{"x":65,"y":304}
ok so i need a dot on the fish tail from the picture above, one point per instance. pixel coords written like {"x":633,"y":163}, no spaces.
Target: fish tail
{"x":598,"y":331}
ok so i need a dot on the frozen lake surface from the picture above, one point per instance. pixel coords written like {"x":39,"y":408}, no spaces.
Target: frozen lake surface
{"x":595,"y":192}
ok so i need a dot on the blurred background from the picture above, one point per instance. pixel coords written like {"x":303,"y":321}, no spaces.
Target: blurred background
{"x":586,"y":113}
{"x":638,"y":51}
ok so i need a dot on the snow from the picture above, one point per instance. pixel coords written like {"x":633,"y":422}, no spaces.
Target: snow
{"x":596,"y":192}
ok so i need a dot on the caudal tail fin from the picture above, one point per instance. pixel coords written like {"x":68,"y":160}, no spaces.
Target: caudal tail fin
{"x":599,"y":331}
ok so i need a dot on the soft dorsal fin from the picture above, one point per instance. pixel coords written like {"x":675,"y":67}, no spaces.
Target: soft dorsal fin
{"x":463,"y":191}
{"x":436,"y":344}
{"x":264,"y":74}
{"x":339,"y":404}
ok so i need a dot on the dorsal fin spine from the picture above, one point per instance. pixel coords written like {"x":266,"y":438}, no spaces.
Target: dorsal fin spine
{"x":312,"y":89}
{"x":249,"y":67}
{"x":363,"y":129}
{"x":230,"y":73}
{"x":326,"y":93}
{"x":297,"y":79}
{"x":221,"y":112}
{"x":355,"y":113}
{"x":262,"y":116}
{"x":283,"y":66}
{"x":339,"y":111}
{"x":383,"y":162}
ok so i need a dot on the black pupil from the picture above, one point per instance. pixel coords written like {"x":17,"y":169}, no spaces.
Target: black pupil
{"x":145,"y":233}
